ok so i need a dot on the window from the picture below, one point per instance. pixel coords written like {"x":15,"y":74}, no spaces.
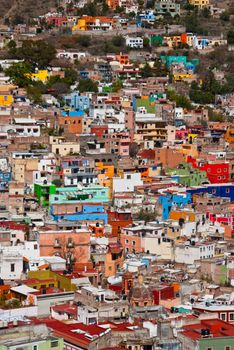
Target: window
{"x":227,"y":190}
{"x":219,"y":170}
{"x":35,"y":246}
{"x":126,"y":241}
{"x":133,"y":243}
{"x":231,"y":316}
{"x":54,"y":344}
{"x":228,"y":348}
{"x":129,"y":177}
{"x":34,"y":347}
{"x":223,"y":317}
{"x":209,"y":348}
{"x":12,"y":267}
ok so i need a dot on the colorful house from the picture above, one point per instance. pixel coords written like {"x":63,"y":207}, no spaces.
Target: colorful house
{"x":94,"y":23}
{"x":217,"y":172}
{"x":77,"y":101}
{"x":43,"y":193}
{"x":41,"y":75}
{"x":171,"y":200}
{"x":72,"y":121}
{"x":186,"y":175}
{"x":6,"y":100}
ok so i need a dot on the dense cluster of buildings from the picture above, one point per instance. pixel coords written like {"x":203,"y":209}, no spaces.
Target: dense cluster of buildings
{"x":116,"y":203}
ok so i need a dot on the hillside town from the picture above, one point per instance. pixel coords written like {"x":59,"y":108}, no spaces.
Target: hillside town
{"x":117,"y":175}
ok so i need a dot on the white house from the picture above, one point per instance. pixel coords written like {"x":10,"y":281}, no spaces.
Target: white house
{"x":188,"y":253}
{"x":11,"y":264}
{"x":134,"y":42}
{"x":127,"y":183}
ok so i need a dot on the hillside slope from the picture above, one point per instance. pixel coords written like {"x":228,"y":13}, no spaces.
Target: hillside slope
{"x":17,"y":11}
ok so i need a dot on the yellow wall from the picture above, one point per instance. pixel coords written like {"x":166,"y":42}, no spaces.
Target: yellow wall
{"x":192,"y":137}
{"x":6,"y":100}
{"x":40,"y":75}
{"x":63,"y":282}
{"x":181,"y":76}
{"x":199,"y":3}
{"x":189,"y":150}
{"x":81,"y":25}
{"x":176,"y":215}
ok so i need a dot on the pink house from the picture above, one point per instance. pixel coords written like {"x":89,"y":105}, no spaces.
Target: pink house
{"x":57,"y":21}
{"x":181,"y":134}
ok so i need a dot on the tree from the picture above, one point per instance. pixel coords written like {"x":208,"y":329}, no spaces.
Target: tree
{"x":201,"y":97}
{"x":19,"y":74}
{"x":118,"y":40}
{"x":59,"y":88}
{"x":34,"y":93}
{"x":146,"y":216}
{"x":180,"y":100}
{"x":87,"y":85}
{"x":70,"y":76}
{"x":37,"y":52}
{"x":84,"y":40}
{"x":146,"y":42}
{"x":224,"y":16}
{"x":205,"y":12}
{"x":147,"y":71}
{"x":230,"y":37}
{"x":116,"y":86}
{"x":11,"y":46}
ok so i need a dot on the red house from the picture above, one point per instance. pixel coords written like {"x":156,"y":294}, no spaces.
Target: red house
{"x":163,"y":292}
{"x":217,"y":172}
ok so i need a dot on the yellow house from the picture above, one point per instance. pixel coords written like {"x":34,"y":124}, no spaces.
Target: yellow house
{"x":6,"y":100}
{"x":189,"y":150}
{"x":192,"y":138}
{"x":199,"y":3}
{"x":81,"y":25}
{"x":106,"y":176}
{"x":60,"y":281}
{"x":182,"y":76}
{"x":41,"y":75}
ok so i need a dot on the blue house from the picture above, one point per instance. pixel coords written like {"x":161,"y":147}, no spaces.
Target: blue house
{"x":76,"y":101}
{"x":84,"y":74}
{"x":5,"y":177}
{"x":72,"y":113}
{"x":147,"y":16}
{"x":168,"y":200}
{"x":87,"y":213}
{"x":218,"y":190}
{"x":169,"y":60}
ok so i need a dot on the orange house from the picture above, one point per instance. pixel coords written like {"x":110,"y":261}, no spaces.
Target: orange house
{"x":131,"y":243}
{"x":187,"y":216}
{"x":118,"y":220}
{"x":122,"y":59}
{"x":5,"y":292}
{"x":67,"y":244}
{"x":71,"y":124}
{"x":114,"y":259}
{"x":229,"y":136}
{"x":98,"y":231}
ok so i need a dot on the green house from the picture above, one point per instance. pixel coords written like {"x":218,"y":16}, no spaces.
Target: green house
{"x":32,"y":337}
{"x":188,"y":176}
{"x":156,"y":40}
{"x":43,"y":193}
